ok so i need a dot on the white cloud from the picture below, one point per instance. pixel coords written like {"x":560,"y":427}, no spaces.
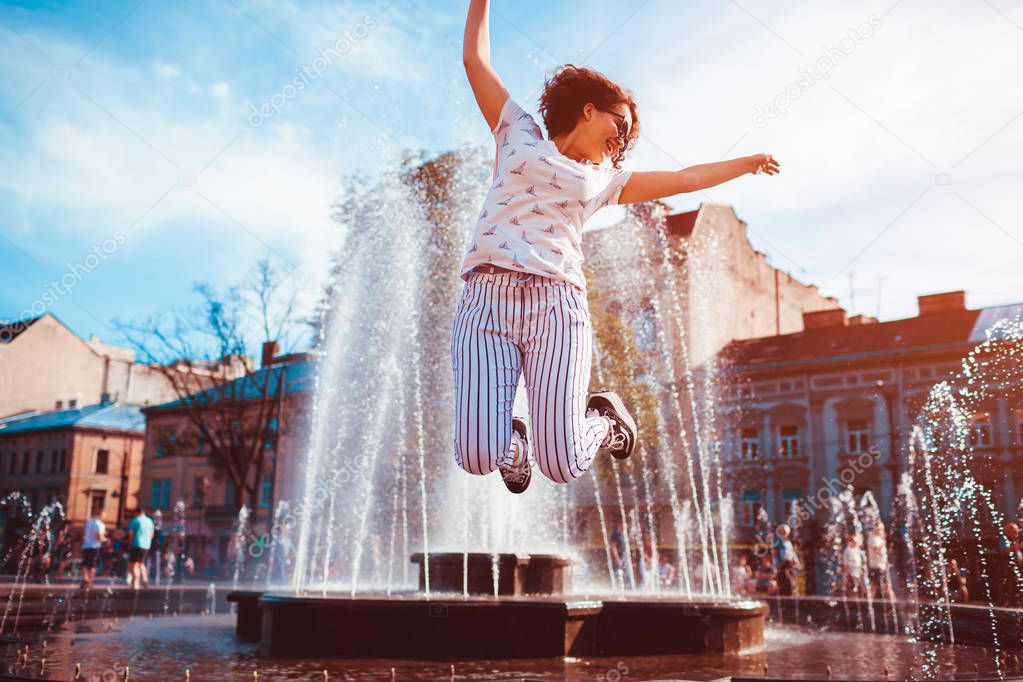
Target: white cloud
{"x":220,"y":90}
{"x":908,"y":104}
{"x":167,"y":71}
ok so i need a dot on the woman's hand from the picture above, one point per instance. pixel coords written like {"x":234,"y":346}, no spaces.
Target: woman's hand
{"x":764,"y":163}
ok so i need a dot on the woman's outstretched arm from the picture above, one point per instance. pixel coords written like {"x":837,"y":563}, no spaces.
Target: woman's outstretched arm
{"x":650,"y":185}
{"x":486,"y":84}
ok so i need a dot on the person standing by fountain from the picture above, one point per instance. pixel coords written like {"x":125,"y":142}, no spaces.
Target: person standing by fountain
{"x":877,"y":564}
{"x":852,"y":566}
{"x":523,"y":308}
{"x":95,"y":535}
{"x":786,"y":559}
{"x":141,"y":529}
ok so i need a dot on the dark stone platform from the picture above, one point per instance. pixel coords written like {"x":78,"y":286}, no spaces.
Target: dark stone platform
{"x":517,"y":574}
{"x":972,"y":624}
{"x":249,"y":627}
{"x":457,"y":627}
{"x":45,"y":607}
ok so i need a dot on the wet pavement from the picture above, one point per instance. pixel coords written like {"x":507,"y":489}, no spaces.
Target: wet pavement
{"x":164,"y":648}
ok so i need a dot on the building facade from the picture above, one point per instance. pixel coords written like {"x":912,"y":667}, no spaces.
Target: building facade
{"x":179,"y":471}
{"x":88,"y":459}
{"x":835,"y":405}
{"x":45,"y":366}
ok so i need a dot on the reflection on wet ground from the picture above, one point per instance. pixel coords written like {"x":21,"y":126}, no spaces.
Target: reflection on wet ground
{"x":164,"y":648}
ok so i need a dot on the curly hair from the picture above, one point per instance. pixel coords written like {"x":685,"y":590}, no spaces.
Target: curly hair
{"x":568,"y":90}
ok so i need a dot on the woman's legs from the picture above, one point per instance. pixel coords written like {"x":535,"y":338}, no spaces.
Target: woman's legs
{"x":486,"y":364}
{"x":558,"y":346}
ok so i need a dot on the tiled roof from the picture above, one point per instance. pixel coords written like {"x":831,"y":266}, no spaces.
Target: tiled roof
{"x":113,"y":416}
{"x":299,"y":378}
{"x":931,"y":331}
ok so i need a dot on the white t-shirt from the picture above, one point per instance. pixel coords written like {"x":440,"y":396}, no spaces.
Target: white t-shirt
{"x":94,"y":530}
{"x":532,"y":219}
{"x":852,"y":559}
{"x":877,"y":553}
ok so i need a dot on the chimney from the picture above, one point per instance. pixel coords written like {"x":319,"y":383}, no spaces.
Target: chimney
{"x":941,"y":303}
{"x":818,"y":319}
{"x":270,"y":349}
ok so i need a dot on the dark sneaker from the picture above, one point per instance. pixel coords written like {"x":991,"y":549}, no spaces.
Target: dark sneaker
{"x":622,"y":439}
{"x":518,"y":473}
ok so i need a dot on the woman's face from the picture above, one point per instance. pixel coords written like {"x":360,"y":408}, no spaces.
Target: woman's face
{"x":605,"y":130}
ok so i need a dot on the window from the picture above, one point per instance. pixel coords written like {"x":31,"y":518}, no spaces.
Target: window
{"x":25,"y":457}
{"x":102,"y":461}
{"x":751,"y":506}
{"x":165,"y":438}
{"x":857,"y":436}
{"x":266,"y":491}
{"x":230,"y":493}
{"x":788,"y":441}
{"x":12,"y":466}
{"x":980,"y":431}
{"x":749,"y":444}
{"x":63,"y":460}
{"x":72,"y":404}
{"x":96,"y":504}
{"x":161,"y":494}
{"x":789,"y":498}
{"x":59,"y":405}
{"x":202,"y":446}
{"x":40,"y":456}
{"x":54,"y":461}
{"x":199,"y":485}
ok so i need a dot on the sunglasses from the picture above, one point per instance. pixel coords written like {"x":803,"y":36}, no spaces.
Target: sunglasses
{"x":621,"y":123}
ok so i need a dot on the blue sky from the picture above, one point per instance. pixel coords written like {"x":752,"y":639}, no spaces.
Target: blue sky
{"x":126,"y":132}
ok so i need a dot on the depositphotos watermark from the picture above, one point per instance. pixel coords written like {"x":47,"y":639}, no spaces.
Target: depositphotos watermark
{"x":74,"y":273}
{"x":311,"y":71}
{"x":815,"y":71}
{"x":832,"y":487}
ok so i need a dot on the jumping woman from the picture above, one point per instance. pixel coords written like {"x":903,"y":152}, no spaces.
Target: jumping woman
{"x":523,"y":307}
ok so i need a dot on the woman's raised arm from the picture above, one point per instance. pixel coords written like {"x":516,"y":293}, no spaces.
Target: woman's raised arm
{"x":486,"y":84}
{"x":650,"y":185}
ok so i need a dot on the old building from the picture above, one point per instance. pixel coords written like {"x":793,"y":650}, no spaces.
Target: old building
{"x":46,"y":366}
{"x":178,"y":469}
{"x":803,"y":408}
{"x":89,"y":459}
{"x":726,"y":289}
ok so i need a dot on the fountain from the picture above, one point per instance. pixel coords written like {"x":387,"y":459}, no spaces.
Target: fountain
{"x":381,"y":488}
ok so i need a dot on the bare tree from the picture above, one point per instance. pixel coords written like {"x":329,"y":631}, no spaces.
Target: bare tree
{"x":229,"y":403}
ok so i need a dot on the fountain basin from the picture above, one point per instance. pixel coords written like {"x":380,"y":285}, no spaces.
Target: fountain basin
{"x":517,"y":574}
{"x":249,"y":626}
{"x":972,"y":624}
{"x":474,"y":627}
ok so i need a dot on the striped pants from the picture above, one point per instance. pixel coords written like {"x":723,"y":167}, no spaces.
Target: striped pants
{"x":508,"y":324}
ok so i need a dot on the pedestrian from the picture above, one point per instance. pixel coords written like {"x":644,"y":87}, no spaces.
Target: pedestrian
{"x":742,"y":576}
{"x":141,"y":529}
{"x":786,"y":559}
{"x":956,"y":581}
{"x":93,"y":538}
{"x":764,"y":577}
{"x":620,"y":561}
{"x":877,"y":564}
{"x":852,"y":567}
{"x":666,"y":572}
{"x":647,"y":565}
{"x":523,"y":308}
